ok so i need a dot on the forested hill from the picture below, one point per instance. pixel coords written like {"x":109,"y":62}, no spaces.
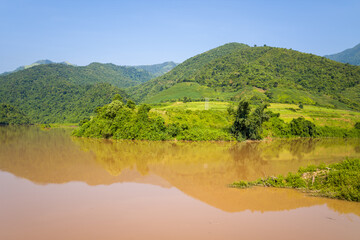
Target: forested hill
{"x":119,"y":76}
{"x":351,"y":56}
{"x":267,"y":68}
{"x":183,"y":71}
{"x":58,"y":93}
{"x":158,"y":69}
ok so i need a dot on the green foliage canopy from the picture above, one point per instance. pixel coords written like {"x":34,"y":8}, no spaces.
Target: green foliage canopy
{"x":10,"y":115}
{"x":246,"y":125}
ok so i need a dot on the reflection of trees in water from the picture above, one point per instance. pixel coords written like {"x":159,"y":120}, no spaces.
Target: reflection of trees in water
{"x":187,"y":157}
{"x":247,"y":158}
{"x":299,"y":147}
{"x":303,"y":146}
{"x":115,"y":157}
{"x":296,"y":147}
{"x":283,"y":155}
{"x":357,"y":149}
{"x":39,"y":155}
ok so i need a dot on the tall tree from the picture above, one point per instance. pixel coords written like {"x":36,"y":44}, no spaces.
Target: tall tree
{"x":246,"y":125}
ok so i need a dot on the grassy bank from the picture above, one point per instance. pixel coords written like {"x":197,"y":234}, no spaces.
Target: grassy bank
{"x":339,"y":180}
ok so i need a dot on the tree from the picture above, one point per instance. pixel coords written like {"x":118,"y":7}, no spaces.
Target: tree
{"x":117,"y":97}
{"x":239,"y":128}
{"x":256,"y":120}
{"x":302,"y":127}
{"x":246,"y":125}
{"x":130,"y":104}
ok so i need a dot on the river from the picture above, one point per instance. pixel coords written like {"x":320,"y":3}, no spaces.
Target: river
{"x":54,"y":186}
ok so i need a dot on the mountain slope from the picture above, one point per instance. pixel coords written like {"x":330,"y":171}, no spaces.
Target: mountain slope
{"x":158,"y":69}
{"x":183,"y":71}
{"x":119,"y":76}
{"x":263,"y":68}
{"x":10,"y":115}
{"x":57,"y":93}
{"x":351,"y":56}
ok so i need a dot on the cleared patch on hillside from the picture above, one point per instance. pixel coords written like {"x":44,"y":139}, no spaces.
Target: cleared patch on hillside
{"x":189,"y":90}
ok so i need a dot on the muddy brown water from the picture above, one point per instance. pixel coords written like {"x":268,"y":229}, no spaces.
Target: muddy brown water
{"x":53,"y":186}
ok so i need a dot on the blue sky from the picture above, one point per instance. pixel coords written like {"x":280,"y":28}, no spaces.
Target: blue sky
{"x":147,"y":32}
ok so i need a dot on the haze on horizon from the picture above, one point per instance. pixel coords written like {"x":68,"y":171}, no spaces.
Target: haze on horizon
{"x":148,"y":32}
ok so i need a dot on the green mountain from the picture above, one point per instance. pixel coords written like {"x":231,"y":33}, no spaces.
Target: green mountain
{"x":351,"y":56}
{"x":61,"y":93}
{"x":120,"y":76}
{"x":158,"y":69}
{"x":276,"y":74}
{"x":183,"y":71}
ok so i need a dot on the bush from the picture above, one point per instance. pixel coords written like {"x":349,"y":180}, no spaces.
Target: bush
{"x":302,"y":128}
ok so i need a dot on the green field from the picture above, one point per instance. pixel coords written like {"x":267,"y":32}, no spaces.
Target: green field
{"x":321,"y":116}
{"x":190,"y":90}
{"x":222,"y":106}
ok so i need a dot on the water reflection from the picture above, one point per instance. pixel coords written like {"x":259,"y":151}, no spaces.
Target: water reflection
{"x":201,"y":170}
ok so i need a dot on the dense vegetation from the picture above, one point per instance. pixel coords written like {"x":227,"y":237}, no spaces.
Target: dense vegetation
{"x":158,"y":69}
{"x":64,"y":93}
{"x":189,"y":90}
{"x":128,"y":121}
{"x":46,"y":94}
{"x":351,"y":56}
{"x":339,"y":180}
{"x":9,"y":115}
{"x":246,"y":125}
{"x":273,"y":71}
{"x":125,"y":121}
{"x":182,"y":72}
{"x":300,"y":127}
{"x":119,"y":76}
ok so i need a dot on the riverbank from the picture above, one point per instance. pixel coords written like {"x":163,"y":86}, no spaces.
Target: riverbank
{"x":339,"y":180}
{"x":118,"y":120}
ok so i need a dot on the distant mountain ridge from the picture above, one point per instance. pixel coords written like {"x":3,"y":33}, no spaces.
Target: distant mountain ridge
{"x":158,"y":69}
{"x":40,"y":62}
{"x":155,"y":70}
{"x":351,"y":56}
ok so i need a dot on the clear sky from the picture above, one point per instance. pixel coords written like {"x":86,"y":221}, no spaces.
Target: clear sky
{"x":153,"y":31}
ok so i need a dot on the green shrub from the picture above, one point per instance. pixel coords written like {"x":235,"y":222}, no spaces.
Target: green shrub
{"x":302,"y":128}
